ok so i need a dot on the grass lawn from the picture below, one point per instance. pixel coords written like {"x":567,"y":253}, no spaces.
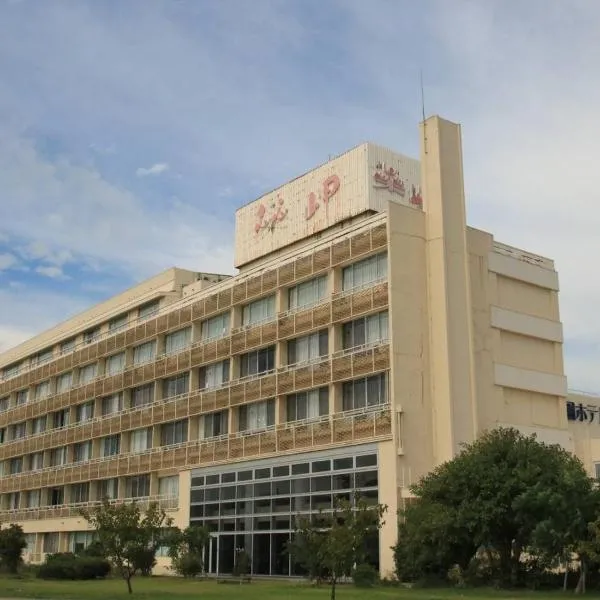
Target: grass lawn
{"x":171,"y":588}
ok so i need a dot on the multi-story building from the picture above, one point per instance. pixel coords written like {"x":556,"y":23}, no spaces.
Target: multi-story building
{"x":368,"y":333}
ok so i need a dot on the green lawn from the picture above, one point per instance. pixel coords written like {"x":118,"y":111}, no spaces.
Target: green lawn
{"x":171,"y":588}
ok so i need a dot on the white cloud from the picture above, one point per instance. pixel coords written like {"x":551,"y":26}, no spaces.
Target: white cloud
{"x":155,"y":169}
{"x":52,"y":272}
{"x":7,"y":261}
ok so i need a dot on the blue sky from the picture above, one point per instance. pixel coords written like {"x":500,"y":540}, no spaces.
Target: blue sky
{"x":130,"y":131}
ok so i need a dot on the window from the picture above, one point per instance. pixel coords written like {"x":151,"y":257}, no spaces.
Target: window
{"x":19,"y":430}
{"x":88,"y":373}
{"x":597,"y":470}
{"x":115,"y":364}
{"x":168,"y":487}
{"x":256,"y":416}
{"x":175,"y":386}
{"x":33,"y":498}
{"x":42,"y":357}
{"x":137,"y":486}
{"x":142,"y":395}
{"x":214,"y":375}
{"x":42,"y":390}
{"x":16,"y":465}
{"x":259,"y":311}
{"x":14,"y":500}
{"x":2,"y":435}
{"x":38,"y":425}
{"x":214,"y":424}
{"x":216,"y":327}
{"x":84,"y":412}
{"x":36,"y":461}
{"x":117,"y":324}
{"x":80,"y":540}
{"x":22,"y":397}
{"x":91,"y":336}
{"x":174,"y":433}
{"x":308,"y":405}
{"x":30,"y":539}
{"x":50,"y":543}
{"x":360,"y":393}
{"x":56,"y":496}
{"x":4,"y":404}
{"x":141,"y":440}
{"x":110,"y":445}
{"x":80,"y":492}
{"x":108,"y":488}
{"x":64,"y":382}
{"x":60,"y":418}
{"x":366,"y":330}
{"x":112,"y":404}
{"x":257,"y":361}
{"x":144,"y":353}
{"x":308,"y":293}
{"x":148,"y":310}
{"x":11,"y":371}
{"x":67,"y":346}
{"x":82,"y":452}
{"x":365,"y":271}
{"x":58,"y":457}
{"x":177,"y":341}
{"x":308,"y":347}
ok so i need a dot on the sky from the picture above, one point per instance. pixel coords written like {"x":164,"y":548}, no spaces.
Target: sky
{"x":131,"y":131}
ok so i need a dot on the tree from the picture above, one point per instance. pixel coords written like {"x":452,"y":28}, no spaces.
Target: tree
{"x":12,"y":544}
{"x":332,"y":544}
{"x":125,"y":534}
{"x":186,"y":549}
{"x":499,"y":494}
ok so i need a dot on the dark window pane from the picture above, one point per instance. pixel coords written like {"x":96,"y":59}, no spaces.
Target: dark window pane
{"x":281,"y":488}
{"x":320,"y":484}
{"x":244,"y":476}
{"x":262,"y":473}
{"x":227,"y":477}
{"x":197,"y":496}
{"x":262,"y":489}
{"x":342,"y":463}
{"x":300,"y":469}
{"x":342,"y":481}
{"x":366,"y":479}
{"x":281,"y":471}
{"x":244,"y":491}
{"x":228,"y":492}
{"x":211,"y":494}
{"x":197,"y":481}
{"x":321,"y":465}
{"x":368,"y":460}
{"x":212,"y":479}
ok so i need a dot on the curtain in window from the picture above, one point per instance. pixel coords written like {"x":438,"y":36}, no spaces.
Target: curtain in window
{"x":58,"y":457}
{"x":143,"y":395}
{"x":87,"y":373}
{"x":115,"y":364}
{"x":175,"y":386}
{"x":112,"y":404}
{"x":108,"y":489}
{"x":148,"y":310}
{"x":214,"y":424}
{"x":360,"y":393}
{"x":307,"y":294}
{"x":110,"y":445}
{"x":141,"y":440}
{"x":42,"y":390}
{"x":22,"y":397}
{"x":174,"y":342}
{"x":215,"y":375}
{"x":85,"y":412}
{"x":137,"y":486}
{"x":144,"y":353}
{"x":33,"y":498}
{"x":82,"y":452}
{"x":37,"y":461}
{"x":365,"y":271}
{"x":256,"y":416}
{"x":216,"y":327}
{"x":64,"y":382}
{"x":117,"y":324}
{"x":169,"y":487}
{"x":258,"y":311}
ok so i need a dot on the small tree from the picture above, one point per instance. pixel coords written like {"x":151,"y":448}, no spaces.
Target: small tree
{"x":186,"y":549}
{"x":12,"y":544}
{"x":125,"y":534}
{"x":336,"y":542}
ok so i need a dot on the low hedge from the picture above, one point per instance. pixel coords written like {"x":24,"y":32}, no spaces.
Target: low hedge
{"x":71,"y":566}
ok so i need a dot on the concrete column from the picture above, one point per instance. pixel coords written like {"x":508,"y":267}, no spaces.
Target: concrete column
{"x":449,"y":289}
{"x":335,"y":398}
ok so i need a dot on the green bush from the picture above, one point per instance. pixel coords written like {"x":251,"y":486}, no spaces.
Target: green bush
{"x":365,"y":576}
{"x":70,"y":566}
{"x":188,"y":565}
{"x":144,"y":560}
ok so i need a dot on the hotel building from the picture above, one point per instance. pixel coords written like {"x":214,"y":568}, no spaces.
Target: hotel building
{"x":368,"y":333}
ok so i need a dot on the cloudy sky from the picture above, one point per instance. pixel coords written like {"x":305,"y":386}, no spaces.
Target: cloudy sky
{"x":130,"y":131}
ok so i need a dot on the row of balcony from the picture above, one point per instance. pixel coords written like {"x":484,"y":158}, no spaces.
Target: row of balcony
{"x":167,"y":503}
{"x":222,"y":296}
{"x":333,"y":311}
{"x":366,"y":424}
{"x":342,"y":366}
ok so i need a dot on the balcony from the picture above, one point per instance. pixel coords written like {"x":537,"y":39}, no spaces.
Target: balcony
{"x":368,"y":424}
{"x":340,"y":307}
{"x":167,"y":503}
{"x":341,"y":366}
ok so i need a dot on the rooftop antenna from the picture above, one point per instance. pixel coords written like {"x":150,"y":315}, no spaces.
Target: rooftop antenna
{"x":423,"y":111}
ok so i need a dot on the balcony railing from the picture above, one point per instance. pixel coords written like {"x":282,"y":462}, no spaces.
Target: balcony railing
{"x":282,"y":378}
{"x":167,"y":503}
{"x":370,"y":423}
{"x":337,"y":315}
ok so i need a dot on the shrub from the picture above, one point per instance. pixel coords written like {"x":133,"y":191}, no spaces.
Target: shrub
{"x":143,"y":560}
{"x":70,"y":566}
{"x":365,"y":576}
{"x":188,"y":565}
